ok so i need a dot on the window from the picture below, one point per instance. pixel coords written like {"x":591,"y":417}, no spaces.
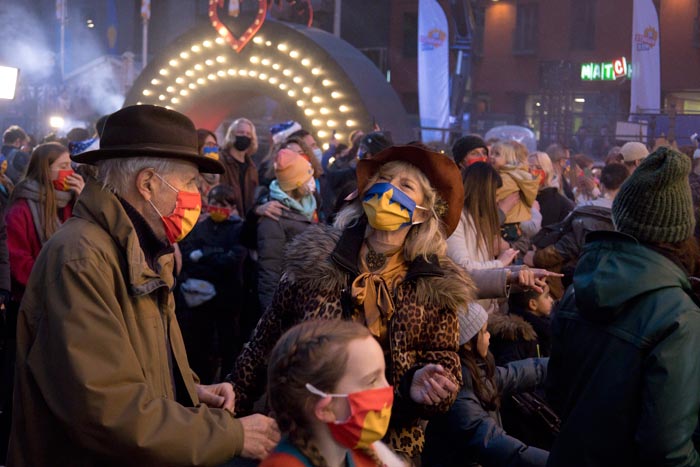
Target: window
{"x":410,"y":35}
{"x":525,"y":37}
{"x":583,"y":24}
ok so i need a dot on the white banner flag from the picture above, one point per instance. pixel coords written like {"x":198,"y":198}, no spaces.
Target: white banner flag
{"x":234,"y":8}
{"x":646,"y":71}
{"x":146,"y":9}
{"x":60,"y":10}
{"x":433,"y":70}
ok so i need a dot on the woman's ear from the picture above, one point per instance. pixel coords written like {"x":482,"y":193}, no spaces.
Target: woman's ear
{"x":144,"y":183}
{"x":323,"y":410}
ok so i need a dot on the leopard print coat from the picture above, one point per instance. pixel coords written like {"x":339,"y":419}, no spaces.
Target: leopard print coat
{"x":321,"y":265}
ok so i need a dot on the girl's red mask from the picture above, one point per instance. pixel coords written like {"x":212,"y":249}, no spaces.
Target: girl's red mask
{"x":60,"y":183}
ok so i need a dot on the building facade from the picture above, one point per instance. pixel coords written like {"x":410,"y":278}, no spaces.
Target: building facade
{"x":540,"y":63}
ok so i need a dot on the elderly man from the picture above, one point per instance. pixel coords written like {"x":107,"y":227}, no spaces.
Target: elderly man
{"x":102,"y":377}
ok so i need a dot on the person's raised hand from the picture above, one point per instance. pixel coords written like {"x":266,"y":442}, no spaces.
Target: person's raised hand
{"x":75,"y":183}
{"x":507,"y":256}
{"x":260,"y":436}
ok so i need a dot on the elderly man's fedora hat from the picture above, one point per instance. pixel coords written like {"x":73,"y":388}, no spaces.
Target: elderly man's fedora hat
{"x":149,"y":131}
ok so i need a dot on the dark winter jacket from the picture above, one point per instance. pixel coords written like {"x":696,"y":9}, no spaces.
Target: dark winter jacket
{"x":471,"y":435}
{"x":273,"y":236}
{"x":517,"y":335}
{"x":222,"y":257}
{"x":568,"y":237}
{"x":321,"y":266}
{"x":554,"y":206}
{"x":624,"y":373}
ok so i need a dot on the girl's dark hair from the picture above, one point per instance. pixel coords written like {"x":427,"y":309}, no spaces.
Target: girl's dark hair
{"x":38,"y":170}
{"x":483,"y":372}
{"x":480,"y":184}
{"x":202,"y":134}
{"x":313,"y":352}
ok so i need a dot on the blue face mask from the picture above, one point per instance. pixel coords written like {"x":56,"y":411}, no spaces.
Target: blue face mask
{"x":388,"y":208}
{"x":318,"y":153}
{"x":211,"y":151}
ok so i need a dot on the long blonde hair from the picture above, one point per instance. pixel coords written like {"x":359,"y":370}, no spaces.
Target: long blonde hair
{"x":542,"y":159}
{"x":425,"y":239}
{"x":508,"y":152}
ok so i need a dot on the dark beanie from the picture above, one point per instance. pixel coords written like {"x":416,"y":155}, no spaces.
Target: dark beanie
{"x":654,"y":204}
{"x":465,"y":144}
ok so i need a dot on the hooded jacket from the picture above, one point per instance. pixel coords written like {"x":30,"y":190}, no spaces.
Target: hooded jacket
{"x":321,"y":265}
{"x":102,"y":377}
{"x":624,"y":373}
{"x":517,"y":180}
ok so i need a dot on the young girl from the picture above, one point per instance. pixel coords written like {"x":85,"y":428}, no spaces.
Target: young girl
{"x":515,"y":180}
{"x":329,"y":394}
{"x":471,"y":432}
{"x":40,"y":203}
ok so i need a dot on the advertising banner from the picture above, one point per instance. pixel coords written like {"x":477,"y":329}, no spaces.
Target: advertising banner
{"x":646,"y":71}
{"x":433,"y":70}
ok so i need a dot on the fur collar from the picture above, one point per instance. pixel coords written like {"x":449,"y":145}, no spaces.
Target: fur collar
{"x":510,"y":327}
{"x":323,"y":261}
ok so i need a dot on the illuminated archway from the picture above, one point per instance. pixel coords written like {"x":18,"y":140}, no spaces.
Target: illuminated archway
{"x":326,"y":83}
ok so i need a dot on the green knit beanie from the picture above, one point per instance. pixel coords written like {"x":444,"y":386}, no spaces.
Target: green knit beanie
{"x":654,"y":204}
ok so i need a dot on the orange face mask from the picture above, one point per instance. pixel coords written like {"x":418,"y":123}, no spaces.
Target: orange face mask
{"x":185,"y":215}
{"x":538,"y":174}
{"x":218,"y":213}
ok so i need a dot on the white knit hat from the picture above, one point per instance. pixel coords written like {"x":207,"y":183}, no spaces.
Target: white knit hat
{"x":471,"y":321}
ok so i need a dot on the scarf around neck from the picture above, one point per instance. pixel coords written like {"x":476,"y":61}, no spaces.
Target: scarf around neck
{"x":30,"y":190}
{"x":307,"y":205}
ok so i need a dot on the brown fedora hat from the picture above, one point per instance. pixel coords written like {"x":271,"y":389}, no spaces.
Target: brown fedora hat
{"x":442,"y":172}
{"x":149,"y":131}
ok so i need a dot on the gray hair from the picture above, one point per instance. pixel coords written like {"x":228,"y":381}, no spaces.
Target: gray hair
{"x":116,"y":174}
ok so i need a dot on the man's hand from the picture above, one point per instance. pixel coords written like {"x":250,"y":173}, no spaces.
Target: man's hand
{"x":430,"y":385}
{"x":271,"y":209}
{"x":260,"y":436}
{"x":217,"y":396}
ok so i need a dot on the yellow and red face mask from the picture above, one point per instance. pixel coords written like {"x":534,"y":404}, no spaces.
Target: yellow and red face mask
{"x":60,"y":183}
{"x":388,"y":208}
{"x":370,"y":412}
{"x":219,"y":213}
{"x":182,"y":220}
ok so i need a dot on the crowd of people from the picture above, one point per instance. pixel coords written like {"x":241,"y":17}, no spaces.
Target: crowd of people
{"x":169,"y":300}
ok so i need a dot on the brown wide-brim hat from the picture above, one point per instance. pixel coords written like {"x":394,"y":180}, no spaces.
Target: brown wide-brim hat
{"x":441,"y":171}
{"x":149,"y":131}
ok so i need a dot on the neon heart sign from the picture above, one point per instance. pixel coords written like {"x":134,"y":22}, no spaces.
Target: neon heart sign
{"x":236,"y":43}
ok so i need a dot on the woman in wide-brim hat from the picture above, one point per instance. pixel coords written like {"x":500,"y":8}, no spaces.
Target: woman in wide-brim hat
{"x":383,"y":264}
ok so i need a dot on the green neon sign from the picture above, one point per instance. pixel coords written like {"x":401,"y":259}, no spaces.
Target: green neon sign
{"x":606,"y":71}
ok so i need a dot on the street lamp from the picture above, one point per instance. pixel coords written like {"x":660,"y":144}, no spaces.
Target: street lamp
{"x":8,"y":82}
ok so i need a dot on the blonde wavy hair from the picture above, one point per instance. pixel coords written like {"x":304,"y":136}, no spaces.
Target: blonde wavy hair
{"x":425,"y":239}
{"x":545,"y":163}
{"x":507,"y":150}
{"x":230,"y":137}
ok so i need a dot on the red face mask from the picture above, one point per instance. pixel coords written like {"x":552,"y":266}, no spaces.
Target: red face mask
{"x":538,"y":174}
{"x":370,"y":412}
{"x":218,"y":213}
{"x":474,"y":160}
{"x":182,"y":220}
{"x":60,"y":183}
